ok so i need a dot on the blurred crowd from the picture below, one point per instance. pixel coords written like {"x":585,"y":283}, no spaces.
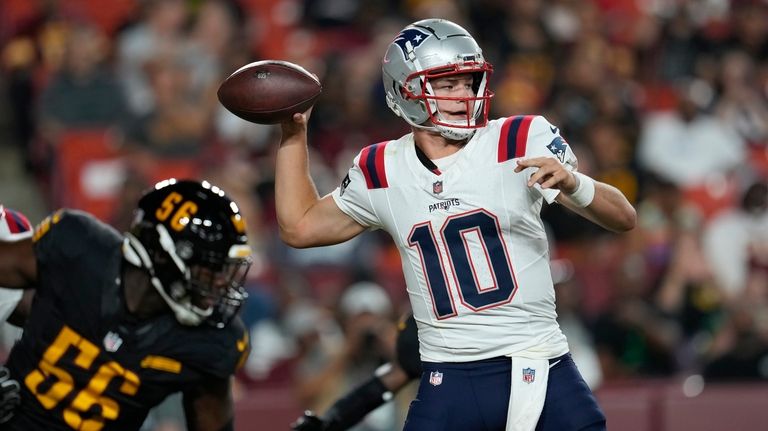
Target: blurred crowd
{"x":666,"y":100}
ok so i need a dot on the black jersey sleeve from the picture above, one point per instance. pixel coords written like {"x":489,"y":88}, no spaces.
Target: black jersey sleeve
{"x":70,"y":243}
{"x":222,"y":351}
{"x":408,"y":347}
{"x":67,"y":235}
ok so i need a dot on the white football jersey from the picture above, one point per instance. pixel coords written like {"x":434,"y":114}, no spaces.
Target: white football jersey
{"x":473,"y":247}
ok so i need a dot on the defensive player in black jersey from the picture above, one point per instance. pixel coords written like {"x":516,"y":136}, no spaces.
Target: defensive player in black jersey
{"x":119,"y":322}
{"x":380,"y":388}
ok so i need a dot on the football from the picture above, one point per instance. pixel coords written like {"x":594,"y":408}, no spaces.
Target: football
{"x":269,"y":91}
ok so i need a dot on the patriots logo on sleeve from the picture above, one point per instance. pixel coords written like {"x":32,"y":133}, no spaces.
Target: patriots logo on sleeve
{"x":344,"y":184}
{"x":558,"y":147}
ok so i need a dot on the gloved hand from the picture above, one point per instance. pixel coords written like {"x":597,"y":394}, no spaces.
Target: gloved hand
{"x":9,"y":395}
{"x":309,"y":422}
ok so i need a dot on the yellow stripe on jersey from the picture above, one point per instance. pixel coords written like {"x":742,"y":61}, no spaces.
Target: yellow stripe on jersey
{"x":44,"y":226}
{"x":242,"y":347}
{"x":161,"y":363}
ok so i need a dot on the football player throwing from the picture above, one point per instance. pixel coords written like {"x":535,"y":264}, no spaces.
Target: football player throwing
{"x":461,"y":197}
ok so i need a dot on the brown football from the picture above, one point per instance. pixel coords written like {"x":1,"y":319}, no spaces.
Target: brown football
{"x":269,"y":91}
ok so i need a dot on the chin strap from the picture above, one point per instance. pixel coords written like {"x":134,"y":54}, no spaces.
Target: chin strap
{"x":186,"y":313}
{"x":452,"y":133}
{"x":455,"y":134}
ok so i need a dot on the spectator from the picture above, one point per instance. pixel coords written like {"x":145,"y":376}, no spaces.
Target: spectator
{"x":688,"y":146}
{"x":85,"y":92}
{"x":735,"y":240}
{"x":157,"y":34}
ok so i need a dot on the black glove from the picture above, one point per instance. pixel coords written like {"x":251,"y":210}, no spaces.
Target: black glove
{"x":308,"y":422}
{"x":9,"y":395}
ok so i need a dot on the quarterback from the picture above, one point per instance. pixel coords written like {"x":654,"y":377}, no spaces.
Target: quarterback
{"x":461,"y":195}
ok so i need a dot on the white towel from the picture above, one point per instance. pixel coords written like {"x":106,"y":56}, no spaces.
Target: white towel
{"x":529,"y":390}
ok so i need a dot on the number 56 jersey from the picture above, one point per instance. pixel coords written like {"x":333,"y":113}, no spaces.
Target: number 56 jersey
{"x":84,"y":362}
{"x":473,"y":247}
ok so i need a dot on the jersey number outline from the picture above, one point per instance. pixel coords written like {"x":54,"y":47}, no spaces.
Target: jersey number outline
{"x":59,"y":383}
{"x":453,"y":236}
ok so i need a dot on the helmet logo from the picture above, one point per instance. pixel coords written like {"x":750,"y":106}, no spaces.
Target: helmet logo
{"x":409,"y":39}
{"x":184,"y":249}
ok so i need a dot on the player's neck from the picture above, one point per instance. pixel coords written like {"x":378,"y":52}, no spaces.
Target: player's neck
{"x":434,"y":145}
{"x":141,"y":299}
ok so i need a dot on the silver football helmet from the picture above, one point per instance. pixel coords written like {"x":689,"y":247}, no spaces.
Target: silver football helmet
{"x":429,"y":49}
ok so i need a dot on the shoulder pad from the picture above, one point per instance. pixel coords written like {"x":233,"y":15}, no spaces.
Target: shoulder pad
{"x":68,"y":233}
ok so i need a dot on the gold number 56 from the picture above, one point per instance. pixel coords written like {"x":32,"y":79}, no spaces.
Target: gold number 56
{"x":63,"y":385}
{"x":182,"y":210}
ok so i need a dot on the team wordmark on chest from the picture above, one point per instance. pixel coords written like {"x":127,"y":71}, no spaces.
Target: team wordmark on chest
{"x":444,"y":205}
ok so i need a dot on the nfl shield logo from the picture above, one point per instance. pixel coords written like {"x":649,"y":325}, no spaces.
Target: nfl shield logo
{"x":437,"y":187}
{"x":529,"y":374}
{"x":112,"y":341}
{"x":435,"y":378}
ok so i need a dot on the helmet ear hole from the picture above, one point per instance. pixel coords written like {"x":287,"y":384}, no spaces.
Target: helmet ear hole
{"x":397,"y":89}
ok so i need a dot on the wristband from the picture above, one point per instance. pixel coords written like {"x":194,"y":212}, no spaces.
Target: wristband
{"x":585,"y":191}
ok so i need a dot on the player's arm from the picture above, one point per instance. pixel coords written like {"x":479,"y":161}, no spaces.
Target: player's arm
{"x":350,"y":409}
{"x":208,"y":405}
{"x":18,"y":265}
{"x":388,"y":379}
{"x":599,"y":202}
{"x":20,"y":313}
{"x":305,"y":219}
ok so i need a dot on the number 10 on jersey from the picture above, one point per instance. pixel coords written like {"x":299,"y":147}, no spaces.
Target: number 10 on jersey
{"x":473,"y":242}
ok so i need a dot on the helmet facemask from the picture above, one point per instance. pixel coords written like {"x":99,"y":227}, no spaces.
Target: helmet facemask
{"x":475,"y":108}
{"x":217,"y":288}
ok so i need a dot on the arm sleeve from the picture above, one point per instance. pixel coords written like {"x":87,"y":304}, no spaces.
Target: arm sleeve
{"x":222,"y":351}
{"x":353,"y":407}
{"x":544,"y":140}
{"x":353,"y":197}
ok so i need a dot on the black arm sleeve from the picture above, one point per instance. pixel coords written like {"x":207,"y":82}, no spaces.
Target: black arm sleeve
{"x":352,"y":408}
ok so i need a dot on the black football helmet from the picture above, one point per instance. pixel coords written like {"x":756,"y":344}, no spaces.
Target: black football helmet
{"x":191,"y":239}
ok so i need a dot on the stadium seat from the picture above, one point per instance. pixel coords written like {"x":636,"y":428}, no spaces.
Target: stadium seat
{"x":88,"y":171}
